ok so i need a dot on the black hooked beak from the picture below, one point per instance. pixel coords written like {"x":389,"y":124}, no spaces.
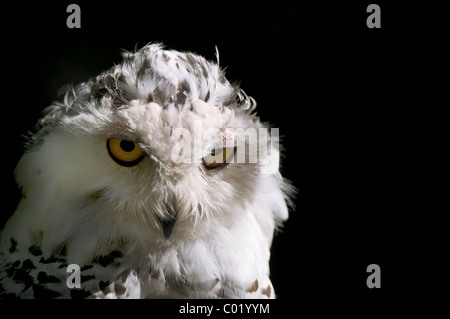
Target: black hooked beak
{"x":168,"y":224}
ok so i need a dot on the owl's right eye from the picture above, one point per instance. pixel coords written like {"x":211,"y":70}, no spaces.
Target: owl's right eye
{"x":123,"y":152}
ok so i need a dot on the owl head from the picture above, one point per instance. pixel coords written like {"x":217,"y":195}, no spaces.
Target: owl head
{"x":158,"y":149}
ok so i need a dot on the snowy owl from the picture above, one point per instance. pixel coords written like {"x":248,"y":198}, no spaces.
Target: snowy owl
{"x":155,"y":179}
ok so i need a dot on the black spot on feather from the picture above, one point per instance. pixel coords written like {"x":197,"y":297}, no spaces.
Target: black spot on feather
{"x":13,"y":247}
{"x":108,"y":259}
{"x":35,"y":250}
{"x":43,"y":278}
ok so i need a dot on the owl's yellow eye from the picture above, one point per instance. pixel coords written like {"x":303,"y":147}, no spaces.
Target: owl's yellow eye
{"x":123,"y":152}
{"x":219,"y":157}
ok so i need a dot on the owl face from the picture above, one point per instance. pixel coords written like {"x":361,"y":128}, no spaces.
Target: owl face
{"x":147,"y":150}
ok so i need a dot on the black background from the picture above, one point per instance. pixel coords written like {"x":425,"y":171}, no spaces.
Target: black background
{"x":333,"y":86}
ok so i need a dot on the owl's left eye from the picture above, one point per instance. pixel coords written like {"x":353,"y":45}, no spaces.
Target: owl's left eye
{"x":123,"y":152}
{"x":219,"y":157}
